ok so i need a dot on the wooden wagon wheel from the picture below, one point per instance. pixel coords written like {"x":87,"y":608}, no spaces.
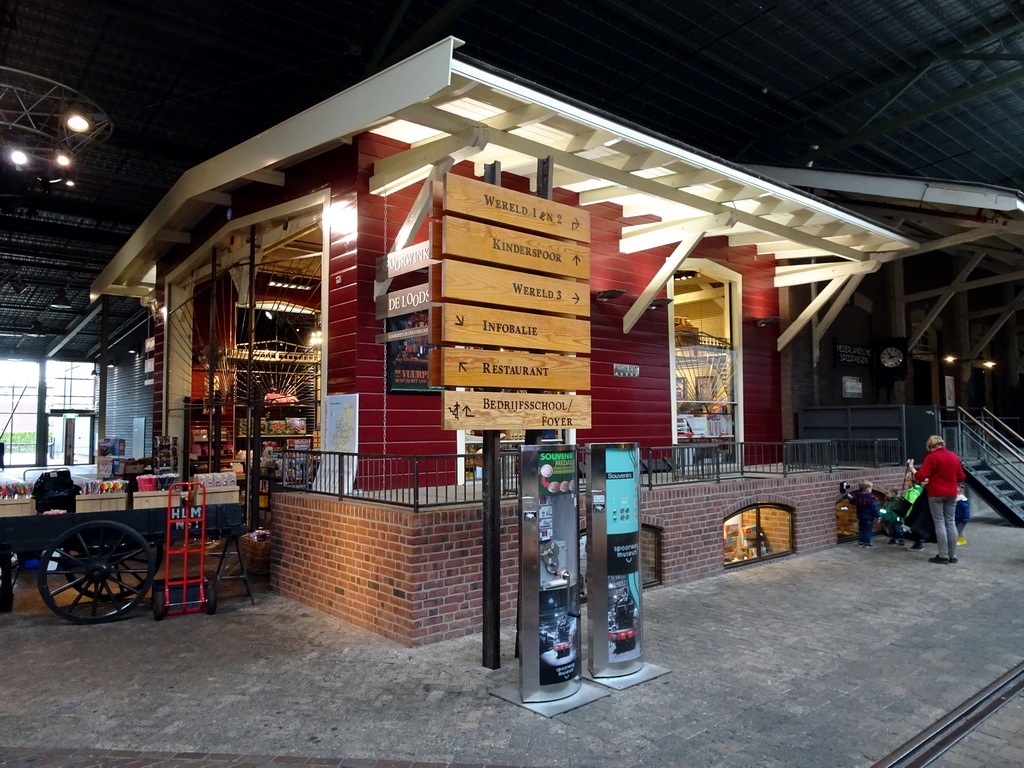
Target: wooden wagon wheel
{"x":96,"y":572}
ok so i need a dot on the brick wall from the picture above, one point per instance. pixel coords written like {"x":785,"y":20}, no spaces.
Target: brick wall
{"x":415,"y":578}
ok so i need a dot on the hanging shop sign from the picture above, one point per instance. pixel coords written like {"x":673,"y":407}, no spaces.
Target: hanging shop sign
{"x":462,"y":367}
{"x":467,"y":324}
{"x":150,"y":345}
{"x":513,"y":410}
{"x":406,"y":260}
{"x":463,"y":281}
{"x":403,"y":302}
{"x":518,"y":209}
{"x":507,"y":247}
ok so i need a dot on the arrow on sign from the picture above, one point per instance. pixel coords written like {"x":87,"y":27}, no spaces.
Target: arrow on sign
{"x":575,"y":223}
{"x":576,"y":258}
{"x":460,"y":320}
{"x":462,"y":366}
{"x":576,"y":298}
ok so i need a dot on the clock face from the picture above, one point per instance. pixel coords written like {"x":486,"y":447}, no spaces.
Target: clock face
{"x":891,"y":357}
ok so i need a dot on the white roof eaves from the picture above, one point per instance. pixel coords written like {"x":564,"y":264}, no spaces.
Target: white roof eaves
{"x":686,"y":155}
{"x":937,"y":191}
{"x":322,"y":125}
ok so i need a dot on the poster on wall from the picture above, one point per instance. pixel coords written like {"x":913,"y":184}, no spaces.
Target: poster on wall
{"x":950,"y":392}
{"x":409,"y":359}
{"x":340,"y":431}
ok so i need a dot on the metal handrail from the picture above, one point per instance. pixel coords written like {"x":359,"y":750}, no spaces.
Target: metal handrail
{"x":423,"y":482}
{"x":1018,"y":454}
{"x":1005,"y":428}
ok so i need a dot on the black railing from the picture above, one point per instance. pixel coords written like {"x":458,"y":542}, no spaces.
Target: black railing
{"x":422,"y":482}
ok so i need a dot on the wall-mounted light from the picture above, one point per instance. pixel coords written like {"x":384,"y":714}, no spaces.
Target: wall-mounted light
{"x":608,"y":295}
{"x":989,"y":364}
{"x":949,"y":359}
{"x":763,"y":321}
{"x":664,"y":301}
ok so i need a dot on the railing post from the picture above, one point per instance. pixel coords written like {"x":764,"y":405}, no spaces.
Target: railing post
{"x":415,"y":484}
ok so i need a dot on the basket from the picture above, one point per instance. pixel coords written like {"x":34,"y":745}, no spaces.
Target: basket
{"x":256,"y":555}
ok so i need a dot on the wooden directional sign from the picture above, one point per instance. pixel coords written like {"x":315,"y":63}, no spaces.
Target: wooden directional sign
{"x":460,"y":367}
{"x":462,"y":281}
{"x":405,"y":260}
{"x":512,"y":410}
{"x":403,"y":302}
{"x":507,"y":247}
{"x":516,"y":209}
{"x":466,"y":324}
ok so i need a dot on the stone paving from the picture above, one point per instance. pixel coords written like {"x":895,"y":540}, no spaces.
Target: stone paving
{"x":834,"y":659}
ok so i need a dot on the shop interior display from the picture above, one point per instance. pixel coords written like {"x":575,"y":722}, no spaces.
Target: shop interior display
{"x":255,"y":374}
{"x":705,"y":397}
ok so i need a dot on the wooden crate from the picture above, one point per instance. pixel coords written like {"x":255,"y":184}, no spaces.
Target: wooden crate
{"x":17,"y":507}
{"x":149,"y":500}
{"x":100,"y":502}
{"x":222,"y":494}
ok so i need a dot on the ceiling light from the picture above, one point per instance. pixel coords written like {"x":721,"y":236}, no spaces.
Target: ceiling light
{"x":315,"y":338}
{"x":110,"y":365}
{"x":949,"y":359}
{"x":989,"y":364}
{"x":77,"y":122}
{"x":18,"y":157}
{"x":686,"y":274}
{"x":69,"y":182}
{"x":60,"y":301}
{"x":269,"y":314}
{"x":63,"y":160}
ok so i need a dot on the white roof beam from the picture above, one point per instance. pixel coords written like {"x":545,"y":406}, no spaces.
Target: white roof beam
{"x":1015,"y":306}
{"x":657,"y":283}
{"x":802,"y":274}
{"x":967,"y":236}
{"x":266,"y":176}
{"x":982,"y":283}
{"x":644,"y":236}
{"x":833,"y":312}
{"x":810,"y":311}
{"x":955,"y":287}
{"x":406,"y":168}
{"x":589,"y":140}
{"x":528,"y":114}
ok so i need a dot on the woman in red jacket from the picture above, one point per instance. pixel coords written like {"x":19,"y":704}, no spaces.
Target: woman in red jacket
{"x":940,"y":474}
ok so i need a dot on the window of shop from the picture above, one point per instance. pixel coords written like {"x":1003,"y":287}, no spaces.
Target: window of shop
{"x":705,"y":359}
{"x":71,"y":409}
{"x":19,"y":383}
{"x":757,"y":532}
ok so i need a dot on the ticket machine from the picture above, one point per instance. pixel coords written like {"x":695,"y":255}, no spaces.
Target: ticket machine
{"x":614,"y":580}
{"x":549,"y":588}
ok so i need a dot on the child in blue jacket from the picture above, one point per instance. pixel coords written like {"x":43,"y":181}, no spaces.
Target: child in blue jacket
{"x":867,"y":512}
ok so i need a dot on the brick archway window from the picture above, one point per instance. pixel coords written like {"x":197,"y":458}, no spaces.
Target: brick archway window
{"x":757,"y":532}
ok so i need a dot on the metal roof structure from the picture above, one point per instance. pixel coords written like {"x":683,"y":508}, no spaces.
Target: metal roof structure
{"x":929,"y":89}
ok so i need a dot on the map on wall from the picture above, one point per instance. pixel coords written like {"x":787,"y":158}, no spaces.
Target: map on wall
{"x":340,"y":435}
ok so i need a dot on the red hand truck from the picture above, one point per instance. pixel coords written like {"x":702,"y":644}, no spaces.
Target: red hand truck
{"x":187,"y":590}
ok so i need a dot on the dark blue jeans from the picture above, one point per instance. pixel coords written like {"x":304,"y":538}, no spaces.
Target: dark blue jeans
{"x":865,"y":529}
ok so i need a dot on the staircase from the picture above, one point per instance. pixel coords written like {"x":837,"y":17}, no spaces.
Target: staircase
{"x":993,"y":462}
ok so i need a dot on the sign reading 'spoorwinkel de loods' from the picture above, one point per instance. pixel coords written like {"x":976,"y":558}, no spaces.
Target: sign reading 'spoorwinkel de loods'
{"x":515,"y":278}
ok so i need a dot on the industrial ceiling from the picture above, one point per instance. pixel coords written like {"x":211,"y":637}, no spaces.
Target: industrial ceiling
{"x":929,"y":89}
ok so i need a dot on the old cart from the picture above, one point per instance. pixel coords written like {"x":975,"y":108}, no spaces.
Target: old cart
{"x":97,"y":567}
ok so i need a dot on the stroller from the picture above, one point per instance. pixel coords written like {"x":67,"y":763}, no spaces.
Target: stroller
{"x":898,"y":513}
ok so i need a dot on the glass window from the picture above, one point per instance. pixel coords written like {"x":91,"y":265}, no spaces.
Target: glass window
{"x":704,"y":358}
{"x":18,"y":405}
{"x":763,"y":530}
